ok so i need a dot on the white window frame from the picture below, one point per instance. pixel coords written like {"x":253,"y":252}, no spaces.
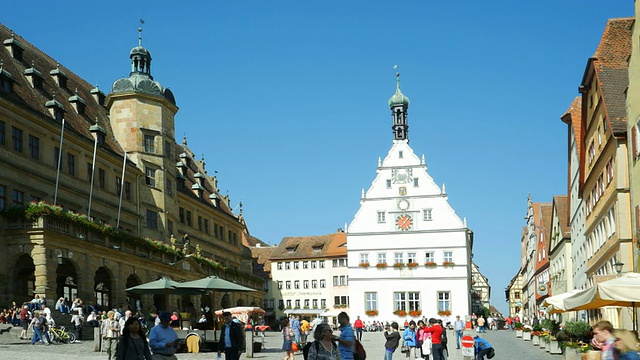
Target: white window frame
{"x":382,"y":217}
{"x":427,"y":214}
{"x":411,"y":257}
{"x":370,"y":301}
{"x":398,"y":258}
{"x":444,"y":301}
{"x":382,"y":258}
{"x":364,"y":258}
{"x":447,"y":256}
{"x":429,"y":256}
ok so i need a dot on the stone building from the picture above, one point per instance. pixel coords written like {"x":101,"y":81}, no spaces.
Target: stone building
{"x":409,"y":252}
{"x":131,"y":204}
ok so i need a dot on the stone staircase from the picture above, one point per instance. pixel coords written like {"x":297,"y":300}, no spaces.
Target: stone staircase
{"x":65,"y":320}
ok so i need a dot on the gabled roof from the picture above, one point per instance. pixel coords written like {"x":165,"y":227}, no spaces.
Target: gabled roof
{"x":610,"y":65}
{"x":311,"y":247}
{"x":33,"y":100}
{"x":562,"y":204}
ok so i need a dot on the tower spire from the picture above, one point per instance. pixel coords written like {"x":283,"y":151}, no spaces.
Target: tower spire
{"x":399,"y":105}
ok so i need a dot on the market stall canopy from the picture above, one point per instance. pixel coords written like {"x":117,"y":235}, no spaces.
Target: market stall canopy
{"x":162,"y":286}
{"x":332,"y":312}
{"x":304,"y":311}
{"x":242,"y":312}
{"x":213,"y":283}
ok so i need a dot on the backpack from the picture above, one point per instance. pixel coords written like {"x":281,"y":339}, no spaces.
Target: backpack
{"x":491,"y":353}
{"x":359,"y":353}
{"x":443,"y":337}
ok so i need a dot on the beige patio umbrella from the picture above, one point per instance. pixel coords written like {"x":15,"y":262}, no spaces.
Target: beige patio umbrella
{"x":623,"y":291}
{"x":555,"y":304}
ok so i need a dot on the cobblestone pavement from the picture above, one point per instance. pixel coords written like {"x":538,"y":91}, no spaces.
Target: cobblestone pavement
{"x":505,"y":342}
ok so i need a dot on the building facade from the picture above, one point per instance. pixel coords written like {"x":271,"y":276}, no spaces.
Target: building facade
{"x":480,"y":290}
{"x":310,"y":275}
{"x":633,"y":129}
{"x":408,"y":252}
{"x":97,"y":196}
{"x":560,"y":251}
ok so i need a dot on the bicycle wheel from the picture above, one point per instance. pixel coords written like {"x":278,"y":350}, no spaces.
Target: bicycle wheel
{"x":72,"y":337}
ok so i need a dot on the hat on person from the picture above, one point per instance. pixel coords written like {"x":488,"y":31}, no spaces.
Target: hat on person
{"x":164,"y":316}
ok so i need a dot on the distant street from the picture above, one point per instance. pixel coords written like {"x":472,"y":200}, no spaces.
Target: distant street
{"x":505,"y":343}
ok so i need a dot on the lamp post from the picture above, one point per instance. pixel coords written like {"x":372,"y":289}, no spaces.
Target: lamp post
{"x":618,"y":267}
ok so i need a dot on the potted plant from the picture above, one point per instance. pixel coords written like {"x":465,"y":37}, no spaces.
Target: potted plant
{"x":572,"y":349}
{"x":398,"y":265}
{"x":526,"y":334}
{"x":518,"y":328}
{"x":448,"y":264}
{"x":412,"y":264}
{"x":381,"y":265}
{"x":430,"y":264}
{"x":415,"y":313}
{"x":535,"y":337}
{"x":444,"y":312}
{"x":371,"y":312}
{"x":364,"y":264}
{"x":554,"y":346}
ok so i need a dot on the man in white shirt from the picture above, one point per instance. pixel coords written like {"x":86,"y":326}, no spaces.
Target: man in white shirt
{"x":458,"y":326}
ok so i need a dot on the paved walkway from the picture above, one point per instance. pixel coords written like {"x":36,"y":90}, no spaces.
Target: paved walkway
{"x":505,"y":342}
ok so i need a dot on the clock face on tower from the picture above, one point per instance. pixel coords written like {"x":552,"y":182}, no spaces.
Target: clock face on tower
{"x":404,"y":222}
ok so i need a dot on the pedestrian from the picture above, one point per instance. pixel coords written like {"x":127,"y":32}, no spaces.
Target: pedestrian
{"x":44,"y":326}
{"x":458,"y":326}
{"x":409,"y":337}
{"x":424,"y":341}
{"x":436,"y":339}
{"x":347,"y":338}
{"x":231,"y":338}
{"x":482,"y":347}
{"x":481,"y":322}
{"x":295,"y":326}
{"x":133,"y":344}
{"x":163,"y":340}
{"x":35,"y":326}
{"x":287,"y":339}
{"x":393,"y":339}
{"x":359,"y":326}
{"x":110,"y":332}
{"x":77,"y":320}
{"x":323,"y":347}
{"x":304,"y":329}
{"x":24,"y":322}
{"x":626,"y":345}
{"x":603,"y":333}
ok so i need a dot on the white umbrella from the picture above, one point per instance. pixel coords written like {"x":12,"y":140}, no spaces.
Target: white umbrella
{"x":555,"y":304}
{"x":621,"y":291}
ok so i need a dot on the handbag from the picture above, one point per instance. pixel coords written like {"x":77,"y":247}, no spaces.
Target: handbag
{"x":404,"y":348}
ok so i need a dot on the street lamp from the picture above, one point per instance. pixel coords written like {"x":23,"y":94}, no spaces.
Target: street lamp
{"x":618,"y":266}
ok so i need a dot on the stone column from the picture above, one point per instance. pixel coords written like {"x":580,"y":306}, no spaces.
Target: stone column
{"x":39,"y":256}
{"x":86,"y":272}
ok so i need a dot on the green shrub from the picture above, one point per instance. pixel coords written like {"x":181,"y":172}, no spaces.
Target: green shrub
{"x":577,"y":330}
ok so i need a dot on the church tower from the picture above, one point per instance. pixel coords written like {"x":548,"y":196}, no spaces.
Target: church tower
{"x":142,"y":115}
{"x":408,"y":251}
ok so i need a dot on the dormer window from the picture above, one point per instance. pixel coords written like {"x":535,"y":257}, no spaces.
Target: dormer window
{"x":197,"y":190}
{"x":98,"y":95}
{"x":14,"y":47}
{"x":98,"y":131}
{"x":55,"y":109}
{"x":78,"y":103}
{"x":292,"y":249}
{"x":33,"y":76}
{"x":6,"y":80}
{"x":59,"y":76}
{"x":317,"y":248}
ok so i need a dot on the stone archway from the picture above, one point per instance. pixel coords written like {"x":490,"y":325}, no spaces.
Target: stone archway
{"x":25,"y":283}
{"x":66,"y":280}
{"x":240,"y":302}
{"x":102,"y":288}
{"x":225,"y":302}
{"x":134,"y":300}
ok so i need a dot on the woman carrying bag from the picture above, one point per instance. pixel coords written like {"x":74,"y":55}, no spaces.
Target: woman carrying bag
{"x":409,"y":337}
{"x":424,"y":340}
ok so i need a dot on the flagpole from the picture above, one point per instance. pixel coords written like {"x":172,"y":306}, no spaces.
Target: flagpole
{"x":55,"y":196}
{"x":93,"y":174}
{"x":124,"y":165}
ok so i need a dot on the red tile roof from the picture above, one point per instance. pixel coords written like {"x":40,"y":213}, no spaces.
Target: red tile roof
{"x":311,"y":247}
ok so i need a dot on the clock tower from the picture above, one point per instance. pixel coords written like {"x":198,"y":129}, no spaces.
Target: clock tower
{"x":408,"y":251}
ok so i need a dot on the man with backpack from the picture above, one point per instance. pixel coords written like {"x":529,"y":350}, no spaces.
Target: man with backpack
{"x":483,"y":348}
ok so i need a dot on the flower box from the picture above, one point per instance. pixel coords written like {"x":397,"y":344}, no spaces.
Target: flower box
{"x":400,"y":313}
{"x":444,"y":312}
{"x":518,"y":333}
{"x":381,"y":265}
{"x":448,"y":264}
{"x":412,"y":264}
{"x":364,"y":264}
{"x":535,"y":340}
{"x":526,"y":336}
{"x":543,"y":344}
{"x":554,"y":347}
{"x":572,"y":354}
{"x":430,"y":264}
{"x":398,"y":265}
{"x":371,"y":312}
{"x":415,"y":313}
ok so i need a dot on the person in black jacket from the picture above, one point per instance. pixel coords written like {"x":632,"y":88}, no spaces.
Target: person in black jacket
{"x":393,"y":339}
{"x":231,"y":338}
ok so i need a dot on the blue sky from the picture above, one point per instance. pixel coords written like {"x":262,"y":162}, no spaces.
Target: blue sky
{"x":287,"y":100}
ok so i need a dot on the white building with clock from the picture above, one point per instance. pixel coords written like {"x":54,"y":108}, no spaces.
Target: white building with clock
{"x":408,"y":252}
